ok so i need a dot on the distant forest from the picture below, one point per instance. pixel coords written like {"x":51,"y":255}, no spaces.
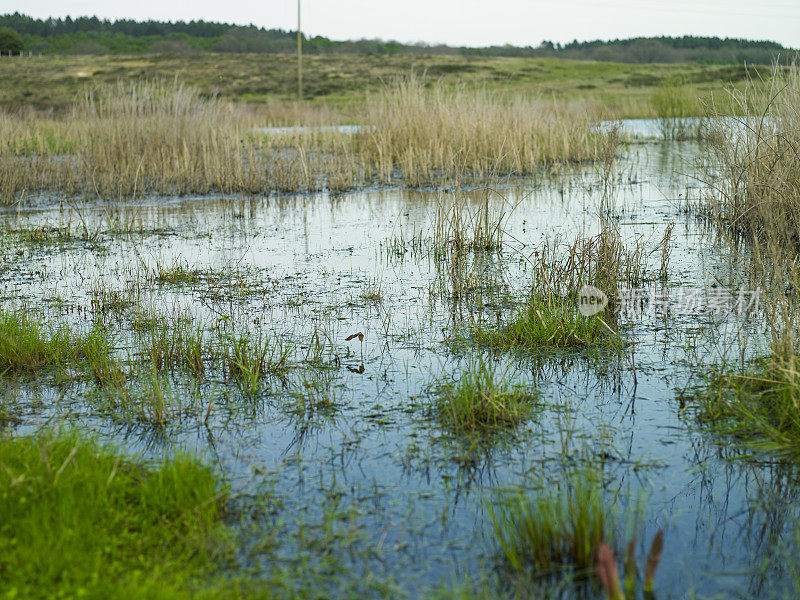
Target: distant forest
{"x":90,"y":35}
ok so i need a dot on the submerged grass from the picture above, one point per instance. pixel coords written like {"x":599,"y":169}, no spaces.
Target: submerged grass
{"x":80,"y":520}
{"x":465,"y":222}
{"x":181,"y":346}
{"x":482,"y":400}
{"x":139,"y":388}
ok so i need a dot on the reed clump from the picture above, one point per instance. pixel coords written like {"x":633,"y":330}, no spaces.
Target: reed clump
{"x":677,"y":109}
{"x":550,"y":316}
{"x":759,"y":406}
{"x":755,"y":181}
{"x":605,"y":261}
{"x":426,"y":133}
{"x":164,"y":137}
{"x":755,"y":162}
{"x":158,"y":137}
{"x":569,"y":525}
{"x":464,"y":222}
{"x":181,"y":346}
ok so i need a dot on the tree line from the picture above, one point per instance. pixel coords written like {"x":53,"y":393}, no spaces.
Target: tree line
{"x":90,"y":35}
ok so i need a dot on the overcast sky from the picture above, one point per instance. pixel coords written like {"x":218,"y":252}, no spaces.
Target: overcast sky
{"x":464,"y":22}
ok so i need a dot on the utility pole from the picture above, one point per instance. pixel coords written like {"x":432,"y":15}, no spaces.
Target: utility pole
{"x":299,"y":56}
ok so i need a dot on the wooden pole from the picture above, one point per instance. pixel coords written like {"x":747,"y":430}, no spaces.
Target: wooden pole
{"x":299,"y":56}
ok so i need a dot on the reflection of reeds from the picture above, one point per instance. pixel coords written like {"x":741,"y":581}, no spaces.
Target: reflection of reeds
{"x":164,"y":137}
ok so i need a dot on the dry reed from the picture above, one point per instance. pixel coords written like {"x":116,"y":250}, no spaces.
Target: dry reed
{"x":163,"y":137}
{"x":754,"y":178}
{"x":423,"y":134}
{"x":756,"y":161}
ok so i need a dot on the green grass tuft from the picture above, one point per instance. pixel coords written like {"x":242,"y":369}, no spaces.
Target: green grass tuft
{"x":25,"y":345}
{"x":28,"y":347}
{"x":178,"y":273}
{"x":760,"y":407}
{"x":550,"y":323}
{"x":80,"y":521}
{"x":249,"y":361}
{"x":560,"y":526}
{"x":482,"y":401}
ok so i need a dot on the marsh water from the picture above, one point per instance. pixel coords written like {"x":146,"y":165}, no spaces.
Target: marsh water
{"x":371,"y":489}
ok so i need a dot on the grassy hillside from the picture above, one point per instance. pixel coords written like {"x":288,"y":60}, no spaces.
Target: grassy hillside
{"x":342,"y":80}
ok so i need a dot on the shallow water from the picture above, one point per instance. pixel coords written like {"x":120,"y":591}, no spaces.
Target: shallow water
{"x":691,"y":128}
{"x":302,"y":129}
{"x":408,"y":501}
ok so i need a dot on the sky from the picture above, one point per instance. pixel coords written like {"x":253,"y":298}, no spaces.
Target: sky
{"x":463,"y":22}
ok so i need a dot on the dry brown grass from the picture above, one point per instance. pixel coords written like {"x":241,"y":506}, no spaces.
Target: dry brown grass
{"x":428,"y":133}
{"x":757,"y":161}
{"x":162,"y":137}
